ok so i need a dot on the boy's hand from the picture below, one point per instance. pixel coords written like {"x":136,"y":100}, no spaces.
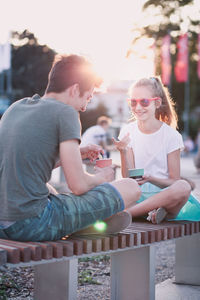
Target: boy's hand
{"x":107,"y":173}
{"x":91,"y":152}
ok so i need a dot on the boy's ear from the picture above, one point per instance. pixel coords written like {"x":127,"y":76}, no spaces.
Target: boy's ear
{"x":74,"y":90}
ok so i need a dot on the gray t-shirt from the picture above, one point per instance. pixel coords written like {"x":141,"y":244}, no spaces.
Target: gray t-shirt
{"x":30,"y":133}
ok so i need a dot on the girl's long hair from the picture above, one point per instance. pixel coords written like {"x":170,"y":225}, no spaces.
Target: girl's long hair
{"x":166,"y":112}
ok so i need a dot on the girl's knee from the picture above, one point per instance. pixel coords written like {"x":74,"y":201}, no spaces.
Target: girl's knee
{"x":184,"y":187}
{"x":182,"y":191}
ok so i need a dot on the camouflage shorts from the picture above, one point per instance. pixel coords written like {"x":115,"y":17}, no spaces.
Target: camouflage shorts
{"x":67,"y":213}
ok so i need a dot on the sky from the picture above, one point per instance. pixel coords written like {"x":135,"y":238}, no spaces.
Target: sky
{"x":100,"y":29}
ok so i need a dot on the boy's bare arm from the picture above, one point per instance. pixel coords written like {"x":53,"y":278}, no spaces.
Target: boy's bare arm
{"x":78,"y":180}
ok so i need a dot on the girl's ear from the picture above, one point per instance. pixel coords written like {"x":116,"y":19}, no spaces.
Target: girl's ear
{"x":158,"y":102}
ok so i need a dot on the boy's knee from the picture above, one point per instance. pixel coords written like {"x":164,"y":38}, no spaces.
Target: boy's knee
{"x":133,"y":187}
{"x":129,"y":190}
{"x":136,"y":187}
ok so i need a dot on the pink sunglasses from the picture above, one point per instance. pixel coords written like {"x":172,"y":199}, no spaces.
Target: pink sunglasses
{"x":143,"y":102}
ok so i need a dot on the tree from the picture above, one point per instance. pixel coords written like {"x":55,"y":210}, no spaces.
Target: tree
{"x":173,"y":17}
{"x":31,"y":63}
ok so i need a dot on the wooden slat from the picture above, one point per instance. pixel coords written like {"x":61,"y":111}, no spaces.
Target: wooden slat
{"x":46,"y":250}
{"x":96,"y":244}
{"x":87,"y":243}
{"x":78,"y":246}
{"x":57,"y":249}
{"x":121,"y":240}
{"x":36,"y":251}
{"x":174,"y":230}
{"x":196,"y":227}
{"x":187,"y":228}
{"x":156,"y":231}
{"x":13,"y":254}
{"x":144,"y":236}
{"x":3,"y":257}
{"x":113,"y":242}
{"x":68,"y":247}
{"x":136,"y":235}
{"x":105,"y":241}
{"x":129,"y":239}
{"x":25,"y":251}
{"x":144,"y":233}
{"x":147,"y":228}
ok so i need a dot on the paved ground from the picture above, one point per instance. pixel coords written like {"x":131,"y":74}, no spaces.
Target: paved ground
{"x":188,"y":170}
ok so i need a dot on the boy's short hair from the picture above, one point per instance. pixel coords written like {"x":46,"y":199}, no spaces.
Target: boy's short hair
{"x":68,"y":70}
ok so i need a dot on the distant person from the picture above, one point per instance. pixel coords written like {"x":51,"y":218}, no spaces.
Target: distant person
{"x":151,"y":142}
{"x":197,"y":156}
{"x":39,"y":133}
{"x":98,"y":134}
{"x":188,"y":145}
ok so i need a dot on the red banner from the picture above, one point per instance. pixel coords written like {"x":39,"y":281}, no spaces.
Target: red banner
{"x":181,"y":66}
{"x":166,"y":60}
{"x":198,"y":64}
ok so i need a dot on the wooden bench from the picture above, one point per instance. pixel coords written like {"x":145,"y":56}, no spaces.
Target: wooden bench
{"x":132,"y":254}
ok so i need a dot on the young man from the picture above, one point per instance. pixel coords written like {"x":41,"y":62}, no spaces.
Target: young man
{"x":34,"y":134}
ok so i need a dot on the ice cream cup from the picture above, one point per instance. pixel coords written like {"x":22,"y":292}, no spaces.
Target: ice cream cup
{"x":136,"y":173}
{"x":102,"y":163}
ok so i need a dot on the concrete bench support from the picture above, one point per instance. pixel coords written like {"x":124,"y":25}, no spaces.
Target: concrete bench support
{"x":56,"y":280}
{"x":133,"y":274}
{"x":187,"y":267}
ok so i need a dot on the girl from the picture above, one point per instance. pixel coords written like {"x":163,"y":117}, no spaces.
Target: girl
{"x":151,"y":142}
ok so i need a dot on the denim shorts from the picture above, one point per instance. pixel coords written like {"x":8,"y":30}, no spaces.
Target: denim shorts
{"x":67,"y":213}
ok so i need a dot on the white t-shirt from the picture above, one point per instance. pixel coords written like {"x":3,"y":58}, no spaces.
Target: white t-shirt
{"x":151,"y":150}
{"x":93,"y":135}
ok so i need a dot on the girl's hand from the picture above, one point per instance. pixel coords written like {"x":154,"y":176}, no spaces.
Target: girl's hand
{"x":145,"y":178}
{"x":122,"y":145}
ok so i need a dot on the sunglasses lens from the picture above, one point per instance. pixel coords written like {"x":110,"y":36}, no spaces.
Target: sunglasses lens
{"x":133,"y":102}
{"x":145,"y":102}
